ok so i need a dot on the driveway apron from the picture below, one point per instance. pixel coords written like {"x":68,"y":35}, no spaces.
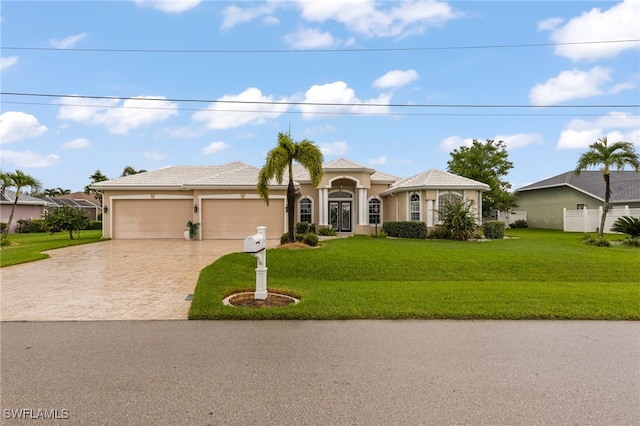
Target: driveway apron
{"x":109,"y":280}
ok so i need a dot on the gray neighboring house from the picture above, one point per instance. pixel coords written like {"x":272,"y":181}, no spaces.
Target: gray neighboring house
{"x":544,"y":201}
{"x":91,"y":207}
{"x":28,"y":207}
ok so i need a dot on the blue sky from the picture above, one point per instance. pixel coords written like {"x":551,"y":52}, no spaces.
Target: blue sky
{"x":404,"y":83}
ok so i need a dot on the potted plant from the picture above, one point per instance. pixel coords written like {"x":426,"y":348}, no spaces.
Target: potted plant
{"x":192,"y":230}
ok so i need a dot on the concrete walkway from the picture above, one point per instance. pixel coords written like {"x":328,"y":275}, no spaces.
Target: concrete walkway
{"x":109,"y":280}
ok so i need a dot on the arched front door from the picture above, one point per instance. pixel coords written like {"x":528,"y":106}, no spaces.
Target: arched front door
{"x":340,"y":208}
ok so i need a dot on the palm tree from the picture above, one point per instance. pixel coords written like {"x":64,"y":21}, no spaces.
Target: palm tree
{"x":95,"y":178}
{"x":18,"y":180}
{"x":128,"y":171}
{"x":619,"y":155}
{"x":281,"y":158}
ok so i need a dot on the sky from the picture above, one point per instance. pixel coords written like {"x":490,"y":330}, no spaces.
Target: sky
{"x":394,"y":85}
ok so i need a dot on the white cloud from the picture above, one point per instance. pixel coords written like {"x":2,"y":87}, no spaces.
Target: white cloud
{"x":78,"y":143}
{"x":620,"y":22}
{"x":234,"y":15}
{"x":575,"y":84}
{"x":119,"y":119}
{"x":377,"y":161}
{"x":453,"y":142}
{"x":67,"y":42}
{"x":309,"y":39}
{"x":153,"y":155}
{"x":396,"y":78}
{"x":215,"y":147}
{"x":519,"y":140}
{"x":249,"y":109}
{"x":8,"y":61}
{"x":341,"y":98}
{"x":169,"y":6}
{"x":616,"y":126}
{"x":334,"y":148}
{"x":16,"y":125}
{"x":28,"y":159}
{"x":549,"y":24}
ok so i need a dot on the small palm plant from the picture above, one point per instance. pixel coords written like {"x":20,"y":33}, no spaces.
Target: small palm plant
{"x":193,"y":229}
{"x":627,"y":225}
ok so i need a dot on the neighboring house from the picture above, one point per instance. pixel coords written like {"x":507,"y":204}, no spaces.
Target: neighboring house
{"x":78,"y":200}
{"x":544,"y":201}
{"x":28,"y":207}
{"x":352,"y":198}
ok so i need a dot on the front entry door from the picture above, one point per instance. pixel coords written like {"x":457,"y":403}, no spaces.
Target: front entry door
{"x":340,"y":215}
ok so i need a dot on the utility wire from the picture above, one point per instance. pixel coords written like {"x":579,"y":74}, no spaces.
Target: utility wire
{"x":381,"y":49}
{"x":330,"y":104}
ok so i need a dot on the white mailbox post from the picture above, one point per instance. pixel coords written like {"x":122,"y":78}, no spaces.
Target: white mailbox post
{"x":256,"y":246}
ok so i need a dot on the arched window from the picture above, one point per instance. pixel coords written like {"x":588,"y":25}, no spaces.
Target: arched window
{"x":305,"y":210}
{"x":414,"y":206}
{"x":374,"y":211}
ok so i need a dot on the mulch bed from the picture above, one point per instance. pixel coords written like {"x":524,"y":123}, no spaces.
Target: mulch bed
{"x":247,"y":300}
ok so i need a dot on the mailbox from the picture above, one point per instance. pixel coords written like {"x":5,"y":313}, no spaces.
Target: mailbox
{"x":254,"y":243}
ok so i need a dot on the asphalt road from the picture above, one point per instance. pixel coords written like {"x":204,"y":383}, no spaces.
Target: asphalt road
{"x":324,"y":373}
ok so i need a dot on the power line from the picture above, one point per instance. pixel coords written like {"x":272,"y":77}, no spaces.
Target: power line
{"x":330,"y":104}
{"x":369,"y":113}
{"x":380,"y":49}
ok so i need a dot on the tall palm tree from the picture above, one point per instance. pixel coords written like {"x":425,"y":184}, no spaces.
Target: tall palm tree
{"x":281,"y":158}
{"x":18,"y":180}
{"x":128,"y":171}
{"x":618,"y":154}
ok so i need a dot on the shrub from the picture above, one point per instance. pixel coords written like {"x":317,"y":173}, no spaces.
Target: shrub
{"x":627,"y":225}
{"x":3,"y":226}
{"x":302,"y":227}
{"x":31,"y":226}
{"x":95,"y":225}
{"x":284,"y":238}
{"x":595,"y":240}
{"x":520,"y":223}
{"x":493,"y":230}
{"x":327,"y":231}
{"x":631,"y":242}
{"x":310,"y":239}
{"x":439,"y":233}
{"x":456,"y":217}
{"x":405,"y":229}
{"x":380,"y":234}
{"x":4,"y":242}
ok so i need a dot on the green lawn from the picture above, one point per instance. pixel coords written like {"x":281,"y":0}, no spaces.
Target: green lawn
{"x":29,"y":247}
{"x":537,"y":274}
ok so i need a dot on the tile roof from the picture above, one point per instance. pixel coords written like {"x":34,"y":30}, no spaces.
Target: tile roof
{"x":436,"y":179}
{"x":9,"y":196}
{"x":625,"y":185}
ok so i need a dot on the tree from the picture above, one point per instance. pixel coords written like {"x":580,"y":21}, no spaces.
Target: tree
{"x":18,"y":180}
{"x":131,"y":171}
{"x":67,"y":218}
{"x":95,"y":178}
{"x":487,"y":163}
{"x":618,"y":155}
{"x":51,"y":192}
{"x":281,"y":158}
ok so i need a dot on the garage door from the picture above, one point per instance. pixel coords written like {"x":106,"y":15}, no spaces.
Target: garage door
{"x":135,"y":219}
{"x":237,"y":219}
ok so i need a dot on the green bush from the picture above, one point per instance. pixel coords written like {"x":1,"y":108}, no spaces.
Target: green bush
{"x":458,"y":220}
{"x":3,"y":226}
{"x":627,"y":225}
{"x":4,"y":242}
{"x":631,"y":242}
{"x":31,"y":226}
{"x":302,"y":227}
{"x":595,"y":240}
{"x":380,"y":234}
{"x":520,"y":223}
{"x":439,"y":233}
{"x":493,"y":229}
{"x":284,"y":238}
{"x":310,"y":239}
{"x":405,"y":229}
{"x":95,"y":225}
{"x":327,"y":231}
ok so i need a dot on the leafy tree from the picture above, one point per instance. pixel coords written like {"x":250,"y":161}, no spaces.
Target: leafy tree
{"x":128,"y":171}
{"x":95,"y":178}
{"x":281,"y":158}
{"x":487,"y":163}
{"x":18,"y":180}
{"x":67,"y":218}
{"x":618,"y":155}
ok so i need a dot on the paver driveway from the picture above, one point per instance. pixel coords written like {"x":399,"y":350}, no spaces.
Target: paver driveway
{"x":109,"y":280}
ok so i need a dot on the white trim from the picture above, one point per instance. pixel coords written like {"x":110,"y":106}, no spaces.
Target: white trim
{"x":409,"y":211}
{"x":375,"y":197}
{"x":358,"y":184}
{"x":312,"y":207}
{"x":363,"y":207}
{"x":220,"y":197}
{"x":131,"y":197}
{"x":172,"y":197}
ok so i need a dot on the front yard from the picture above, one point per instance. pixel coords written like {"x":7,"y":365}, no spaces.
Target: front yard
{"x":536,"y":274}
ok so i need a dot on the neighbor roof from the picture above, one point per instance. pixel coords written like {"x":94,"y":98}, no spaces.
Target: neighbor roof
{"x":9,"y":196}
{"x":625,"y":185}
{"x":436,"y":179}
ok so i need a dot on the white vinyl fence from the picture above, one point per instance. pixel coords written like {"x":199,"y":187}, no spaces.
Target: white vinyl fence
{"x":509,"y":217}
{"x":588,"y":220}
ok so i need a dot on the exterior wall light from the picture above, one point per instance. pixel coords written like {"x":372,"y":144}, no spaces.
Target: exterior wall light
{"x":106,"y":209}
{"x":195,"y":208}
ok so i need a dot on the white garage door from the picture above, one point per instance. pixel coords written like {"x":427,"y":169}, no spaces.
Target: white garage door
{"x":136,"y":219}
{"x":238,"y":218}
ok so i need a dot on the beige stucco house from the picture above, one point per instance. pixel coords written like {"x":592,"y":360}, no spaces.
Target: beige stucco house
{"x":352,"y":198}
